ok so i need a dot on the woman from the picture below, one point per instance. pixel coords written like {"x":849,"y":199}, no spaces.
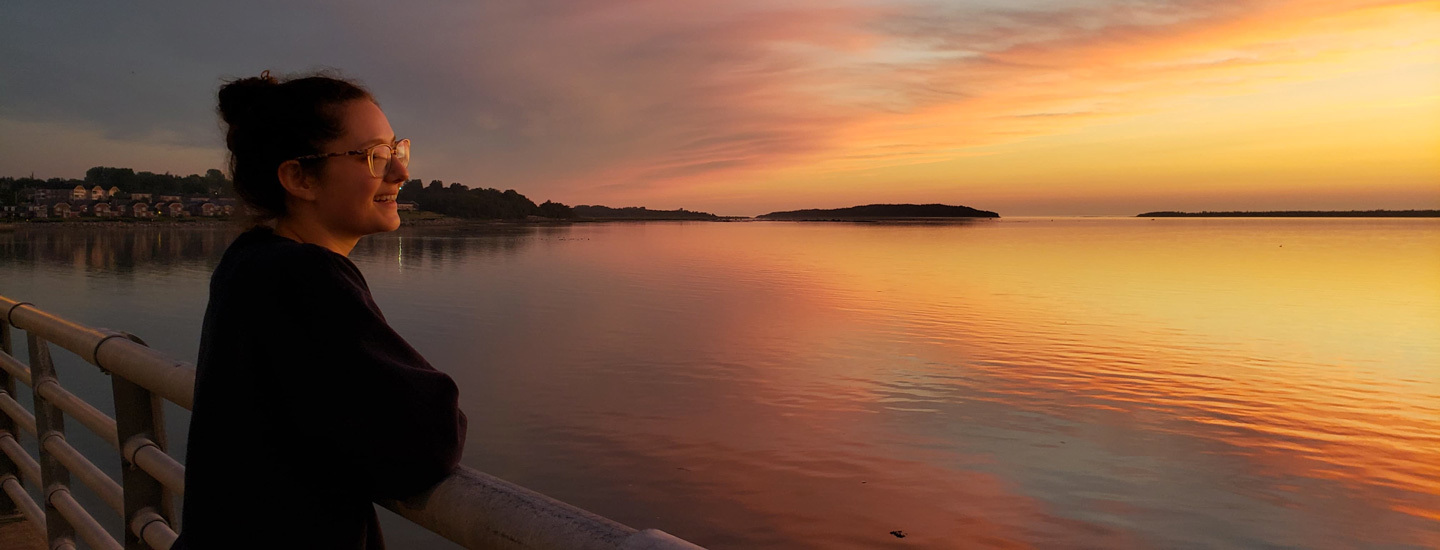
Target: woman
{"x":308,"y":407}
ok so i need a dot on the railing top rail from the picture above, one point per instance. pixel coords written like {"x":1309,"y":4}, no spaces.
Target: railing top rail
{"x":109,"y":350}
{"x":478,"y":510}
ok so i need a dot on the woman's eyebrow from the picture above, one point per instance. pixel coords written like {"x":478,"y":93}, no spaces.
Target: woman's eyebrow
{"x":379,"y":141}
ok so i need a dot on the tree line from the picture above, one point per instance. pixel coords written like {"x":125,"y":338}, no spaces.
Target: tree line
{"x":212,"y":183}
{"x":463,"y":202}
{"x":455,"y":199}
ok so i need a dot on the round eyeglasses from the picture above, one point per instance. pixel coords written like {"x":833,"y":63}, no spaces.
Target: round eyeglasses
{"x":378,"y":157}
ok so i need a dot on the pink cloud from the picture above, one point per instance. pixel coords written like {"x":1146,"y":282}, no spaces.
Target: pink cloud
{"x":623,"y":100}
{"x":627,"y":100}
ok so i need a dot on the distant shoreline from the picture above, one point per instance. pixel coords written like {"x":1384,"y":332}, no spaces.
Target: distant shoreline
{"x":240,"y":224}
{"x":1299,"y":214}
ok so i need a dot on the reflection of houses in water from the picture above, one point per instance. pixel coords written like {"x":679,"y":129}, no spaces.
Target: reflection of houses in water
{"x":428,"y":248}
{"x":117,"y":250}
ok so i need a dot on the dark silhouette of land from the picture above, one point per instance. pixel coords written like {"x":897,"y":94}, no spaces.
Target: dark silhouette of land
{"x":881,"y":212}
{"x":1300,"y":214}
{"x":33,"y":200}
{"x":597,"y":212}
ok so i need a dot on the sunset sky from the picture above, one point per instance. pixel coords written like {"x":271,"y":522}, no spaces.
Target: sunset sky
{"x":741,"y":107}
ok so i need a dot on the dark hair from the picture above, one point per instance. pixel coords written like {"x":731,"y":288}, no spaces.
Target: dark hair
{"x":271,"y":121}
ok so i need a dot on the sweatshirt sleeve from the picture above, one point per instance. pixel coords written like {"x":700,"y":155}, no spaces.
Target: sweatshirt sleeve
{"x":375,"y":409}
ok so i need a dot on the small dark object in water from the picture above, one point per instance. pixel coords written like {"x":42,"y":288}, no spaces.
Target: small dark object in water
{"x":898,"y":534}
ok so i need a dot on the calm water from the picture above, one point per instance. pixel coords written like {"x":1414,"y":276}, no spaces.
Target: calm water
{"x":1065,"y":383}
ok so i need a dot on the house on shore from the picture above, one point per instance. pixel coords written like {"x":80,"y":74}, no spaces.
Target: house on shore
{"x":99,"y":202}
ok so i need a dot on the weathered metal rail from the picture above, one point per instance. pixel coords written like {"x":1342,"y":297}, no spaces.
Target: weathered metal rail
{"x":471,"y":508}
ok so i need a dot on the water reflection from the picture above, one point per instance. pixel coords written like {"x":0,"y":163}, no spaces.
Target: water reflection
{"x":116,"y":251}
{"x":1067,"y":384}
{"x":1115,"y":383}
{"x":120,"y":250}
{"x":436,"y":247}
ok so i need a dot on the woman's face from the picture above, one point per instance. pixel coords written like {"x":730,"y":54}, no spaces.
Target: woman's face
{"x":349,"y":200}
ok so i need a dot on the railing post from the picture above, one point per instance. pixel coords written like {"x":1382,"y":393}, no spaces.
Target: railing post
{"x":8,"y":508}
{"x":49,"y":422}
{"x":140,"y":421}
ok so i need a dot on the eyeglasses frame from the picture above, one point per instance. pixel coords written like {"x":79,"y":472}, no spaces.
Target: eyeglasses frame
{"x":369,"y":153}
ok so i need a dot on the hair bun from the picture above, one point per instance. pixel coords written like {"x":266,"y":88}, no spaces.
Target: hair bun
{"x":239,"y":98}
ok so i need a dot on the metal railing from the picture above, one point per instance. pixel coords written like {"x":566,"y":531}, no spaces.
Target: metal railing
{"x":471,"y":508}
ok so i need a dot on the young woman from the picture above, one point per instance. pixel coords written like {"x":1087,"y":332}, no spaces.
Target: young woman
{"x":308,"y":407}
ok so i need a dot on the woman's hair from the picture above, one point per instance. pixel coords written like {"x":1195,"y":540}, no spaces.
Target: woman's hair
{"x":271,"y":121}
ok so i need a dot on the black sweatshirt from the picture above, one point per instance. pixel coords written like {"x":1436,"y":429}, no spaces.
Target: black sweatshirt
{"x":308,"y":406}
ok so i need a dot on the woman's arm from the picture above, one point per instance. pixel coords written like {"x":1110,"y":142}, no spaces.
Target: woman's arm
{"x":375,"y":407}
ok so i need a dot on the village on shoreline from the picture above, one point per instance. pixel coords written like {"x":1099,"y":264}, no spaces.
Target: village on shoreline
{"x":123,"y":196}
{"x":99,"y":203}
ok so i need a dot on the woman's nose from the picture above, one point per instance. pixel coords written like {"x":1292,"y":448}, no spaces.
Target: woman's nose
{"x":398,"y":172}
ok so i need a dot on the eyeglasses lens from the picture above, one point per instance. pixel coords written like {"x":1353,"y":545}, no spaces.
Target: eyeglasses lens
{"x":381,"y":155}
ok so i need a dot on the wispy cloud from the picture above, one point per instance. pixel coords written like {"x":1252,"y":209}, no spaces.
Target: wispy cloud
{"x":627,"y":99}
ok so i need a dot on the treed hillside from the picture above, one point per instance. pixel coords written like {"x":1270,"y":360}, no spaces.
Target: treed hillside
{"x":881,"y":211}
{"x":128,"y":180}
{"x":639,"y":213}
{"x":463,"y":202}
{"x":455,"y":199}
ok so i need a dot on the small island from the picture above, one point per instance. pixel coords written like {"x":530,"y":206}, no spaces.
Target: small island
{"x":873,"y":212}
{"x":1299,"y":214}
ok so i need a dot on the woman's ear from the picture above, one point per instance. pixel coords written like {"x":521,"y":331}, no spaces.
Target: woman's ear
{"x":296,"y":181}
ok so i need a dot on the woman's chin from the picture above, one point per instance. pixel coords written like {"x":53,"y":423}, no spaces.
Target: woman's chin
{"x":392,"y":221}
{"x":388,"y":218}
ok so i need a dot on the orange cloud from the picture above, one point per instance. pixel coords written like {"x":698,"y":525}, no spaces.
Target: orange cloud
{"x":919,"y":89}
{"x":748,"y":106}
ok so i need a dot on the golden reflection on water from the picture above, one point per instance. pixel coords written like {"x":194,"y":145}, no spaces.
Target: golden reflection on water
{"x":1112,"y":383}
{"x":1311,"y":349}
{"x":1297,"y":359}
